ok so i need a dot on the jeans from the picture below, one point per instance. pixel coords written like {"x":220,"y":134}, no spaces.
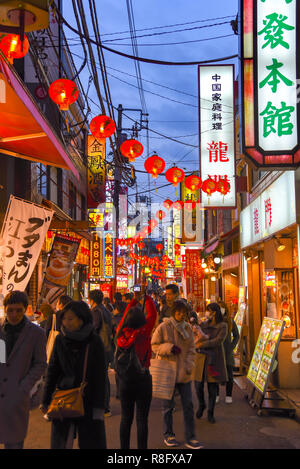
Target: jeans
{"x":140,"y":395}
{"x":212,"y":394}
{"x":18,"y":445}
{"x":229,"y":383}
{"x":185,"y":391}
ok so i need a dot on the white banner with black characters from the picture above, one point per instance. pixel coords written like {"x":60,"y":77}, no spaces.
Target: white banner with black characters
{"x":22,"y":236}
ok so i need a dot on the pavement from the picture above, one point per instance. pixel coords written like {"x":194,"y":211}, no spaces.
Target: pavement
{"x":237,"y":425}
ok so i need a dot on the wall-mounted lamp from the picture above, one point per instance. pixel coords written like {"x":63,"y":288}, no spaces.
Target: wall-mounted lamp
{"x":279,"y":246}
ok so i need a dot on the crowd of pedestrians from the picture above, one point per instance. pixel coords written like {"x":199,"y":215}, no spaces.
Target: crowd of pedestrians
{"x":122,"y":335}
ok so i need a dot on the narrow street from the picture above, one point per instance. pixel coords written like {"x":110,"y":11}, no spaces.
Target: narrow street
{"x":237,"y":427}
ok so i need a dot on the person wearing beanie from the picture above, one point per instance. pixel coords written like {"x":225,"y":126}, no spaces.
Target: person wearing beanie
{"x":65,"y":371}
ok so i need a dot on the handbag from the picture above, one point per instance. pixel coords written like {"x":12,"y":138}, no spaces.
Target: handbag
{"x":68,"y":403}
{"x":163,"y":377}
{"x":51,"y":338}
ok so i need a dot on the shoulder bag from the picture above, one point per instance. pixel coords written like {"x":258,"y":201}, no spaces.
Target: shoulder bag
{"x":68,"y":403}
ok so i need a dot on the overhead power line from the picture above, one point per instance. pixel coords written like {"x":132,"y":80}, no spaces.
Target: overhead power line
{"x":144,"y":59}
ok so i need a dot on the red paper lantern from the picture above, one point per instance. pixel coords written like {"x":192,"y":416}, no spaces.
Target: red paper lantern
{"x":175,"y":176}
{"x":159,"y":247}
{"x":193,"y":183}
{"x":13,"y":48}
{"x":141,"y":245}
{"x":223,"y":186}
{"x":154,"y":165}
{"x":131,"y":149}
{"x":168,"y":204}
{"x":178,"y":205}
{"x":160,"y":214}
{"x":64,"y":93}
{"x":209,"y":186}
{"x":102,"y":126}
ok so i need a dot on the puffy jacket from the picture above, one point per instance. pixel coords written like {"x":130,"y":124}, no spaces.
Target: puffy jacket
{"x":163,"y":340}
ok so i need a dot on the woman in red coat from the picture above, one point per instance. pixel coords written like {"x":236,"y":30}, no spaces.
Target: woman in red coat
{"x":135,"y":329}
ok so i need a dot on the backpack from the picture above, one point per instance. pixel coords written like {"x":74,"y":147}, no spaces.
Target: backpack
{"x":128,"y":365}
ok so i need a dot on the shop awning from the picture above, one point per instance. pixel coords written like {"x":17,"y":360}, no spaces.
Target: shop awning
{"x":24,"y":131}
{"x":211,"y":247}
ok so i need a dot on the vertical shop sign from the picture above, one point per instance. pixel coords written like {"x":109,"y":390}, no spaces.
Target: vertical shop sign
{"x":23,"y":233}
{"x":96,"y":171}
{"x":96,"y":264}
{"x":216,"y":132}
{"x":108,"y":255}
{"x":270,"y":74}
{"x":195,"y":277}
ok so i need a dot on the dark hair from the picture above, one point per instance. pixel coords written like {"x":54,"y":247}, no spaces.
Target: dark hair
{"x":128,"y":296}
{"x":46,"y":310}
{"x":120,"y":306}
{"x":96,"y":296}
{"x":118,"y":296}
{"x":81,"y":309}
{"x":173,"y":287}
{"x":64,"y":300}
{"x":134,"y":318}
{"x":16,"y":296}
{"x":181,"y":306}
{"x":215,"y":308}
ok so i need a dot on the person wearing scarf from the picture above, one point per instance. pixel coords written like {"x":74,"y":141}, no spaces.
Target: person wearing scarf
{"x":173,"y":340}
{"x":65,"y":371}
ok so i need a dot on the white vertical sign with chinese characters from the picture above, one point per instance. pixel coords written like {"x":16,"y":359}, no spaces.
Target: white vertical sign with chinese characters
{"x":24,"y":231}
{"x":217,"y":138}
{"x":276,"y":65}
{"x":272,"y":211}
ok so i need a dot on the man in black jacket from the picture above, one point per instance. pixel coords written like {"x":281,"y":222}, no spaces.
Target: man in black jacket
{"x":102,"y":320}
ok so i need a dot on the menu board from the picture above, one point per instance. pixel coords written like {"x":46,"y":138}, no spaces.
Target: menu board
{"x":265,"y":352}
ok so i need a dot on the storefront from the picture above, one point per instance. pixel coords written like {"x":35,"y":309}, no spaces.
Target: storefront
{"x":270,"y":243}
{"x":230,"y":277}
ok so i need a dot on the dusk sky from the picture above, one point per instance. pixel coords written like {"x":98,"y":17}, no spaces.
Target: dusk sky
{"x":178,"y":119}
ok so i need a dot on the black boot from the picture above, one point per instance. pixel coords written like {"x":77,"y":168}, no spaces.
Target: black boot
{"x":210,"y":416}
{"x":200,"y":411}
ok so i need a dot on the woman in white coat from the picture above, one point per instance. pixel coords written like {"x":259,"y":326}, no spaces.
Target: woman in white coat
{"x":173,"y":340}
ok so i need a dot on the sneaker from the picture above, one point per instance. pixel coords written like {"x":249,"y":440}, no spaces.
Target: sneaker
{"x":193,"y":444}
{"x":228,"y":400}
{"x":171,"y":441}
{"x":107,"y":413}
{"x":217,"y":399}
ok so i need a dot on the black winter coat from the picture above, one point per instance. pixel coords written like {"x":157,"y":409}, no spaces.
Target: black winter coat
{"x":65,"y":370}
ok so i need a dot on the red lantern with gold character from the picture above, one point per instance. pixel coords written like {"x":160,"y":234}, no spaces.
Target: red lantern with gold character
{"x":154,"y":165}
{"x":175,"y":176}
{"x":209,"y":186}
{"x":12,"y":46}
{"x":168,"y":204}
{"x":160,"y":214}
{"x":102,"y":126}
{"x":131,"y":149}
{"x":193,"y":183}
{"x":223,"y":186}
{"x":64,"y":93}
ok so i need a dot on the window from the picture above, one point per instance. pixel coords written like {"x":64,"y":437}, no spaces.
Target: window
{"x":72,"y":200}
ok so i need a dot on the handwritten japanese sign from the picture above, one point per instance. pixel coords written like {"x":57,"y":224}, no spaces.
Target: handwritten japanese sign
{"x":24,"y":230}
{"x":217,"y":137}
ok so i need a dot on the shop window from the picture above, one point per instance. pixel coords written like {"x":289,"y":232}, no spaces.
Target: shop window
{"x":280,"y":299}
